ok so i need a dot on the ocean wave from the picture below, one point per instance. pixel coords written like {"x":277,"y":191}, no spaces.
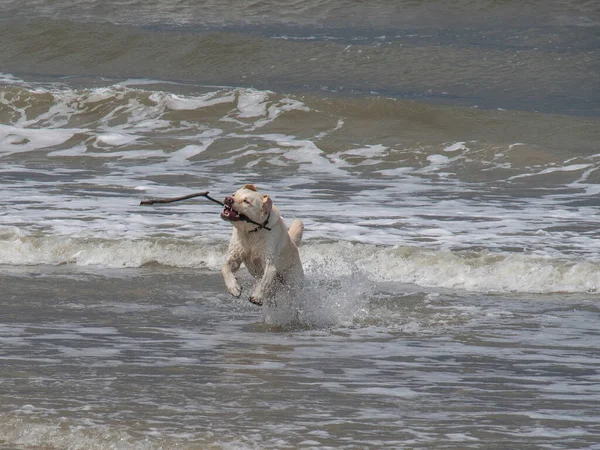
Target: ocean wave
{"x":370,"y":170}
{"x":107,"y":122}
{"x":20,"y":248}
{"x":135,"y":120}
{"x":477,"y":271}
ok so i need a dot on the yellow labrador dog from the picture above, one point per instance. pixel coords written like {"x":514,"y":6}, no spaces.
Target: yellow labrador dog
{"x":264,"y":244}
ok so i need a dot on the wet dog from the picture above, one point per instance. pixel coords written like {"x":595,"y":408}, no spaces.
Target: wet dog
{"x":264,"y":244}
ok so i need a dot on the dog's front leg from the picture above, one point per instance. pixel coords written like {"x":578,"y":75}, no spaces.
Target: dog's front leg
{"x":264,"y":287}
{"x":234,"y":261}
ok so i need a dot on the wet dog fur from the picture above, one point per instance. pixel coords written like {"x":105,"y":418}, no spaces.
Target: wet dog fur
{"x":271,"y":256}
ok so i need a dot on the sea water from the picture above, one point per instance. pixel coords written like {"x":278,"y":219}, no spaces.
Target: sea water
{"x":444,"y":160}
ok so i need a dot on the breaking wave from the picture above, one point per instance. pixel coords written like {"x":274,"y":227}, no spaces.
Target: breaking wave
{"x":477,"y":271}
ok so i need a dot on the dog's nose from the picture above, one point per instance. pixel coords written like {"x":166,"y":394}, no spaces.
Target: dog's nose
{"x":229,"y":200}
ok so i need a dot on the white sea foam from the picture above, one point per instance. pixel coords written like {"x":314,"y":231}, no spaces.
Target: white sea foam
{"x":389,"y":392}
{"x":455,"y":147}
{"x":116,"y":139}
{"x":471,"y":271}
{"x":179,"y":102}
{"x":19,"y":431}
{"x":252,"y":104}
{"x":305,"y":153}
{"x":14,"y":139}
{"x":19,"y":249}
{"x":566,"y":168}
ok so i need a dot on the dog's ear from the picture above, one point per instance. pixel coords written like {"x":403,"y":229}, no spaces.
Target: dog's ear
{"x":250,"y":187}
{"x":267,"y":203}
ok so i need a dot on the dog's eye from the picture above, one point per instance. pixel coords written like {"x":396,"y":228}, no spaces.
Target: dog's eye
{"x":246,"y":201}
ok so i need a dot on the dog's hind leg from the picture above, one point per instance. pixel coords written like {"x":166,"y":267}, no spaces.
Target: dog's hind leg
{"x":295,"y":231}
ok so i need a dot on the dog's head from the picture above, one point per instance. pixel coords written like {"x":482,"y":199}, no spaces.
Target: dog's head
{"x":249,"y":202}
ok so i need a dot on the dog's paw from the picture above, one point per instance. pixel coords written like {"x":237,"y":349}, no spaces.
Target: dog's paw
{"x":235,"y":290}
{"x":255,"y":301}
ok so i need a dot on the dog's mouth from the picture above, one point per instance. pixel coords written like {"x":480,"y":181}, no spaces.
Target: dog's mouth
{"x":230,"y":214}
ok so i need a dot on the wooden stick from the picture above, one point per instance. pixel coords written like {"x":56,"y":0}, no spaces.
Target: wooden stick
{"x":152,"y":201}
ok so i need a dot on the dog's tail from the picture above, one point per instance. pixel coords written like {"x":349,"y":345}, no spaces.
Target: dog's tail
{"x":295,"y":231}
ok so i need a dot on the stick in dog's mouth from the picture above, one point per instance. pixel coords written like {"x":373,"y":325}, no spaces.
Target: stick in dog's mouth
{"x":228,"y":213}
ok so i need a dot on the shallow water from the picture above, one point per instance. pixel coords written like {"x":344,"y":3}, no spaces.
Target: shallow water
{"x":155,"y":358}
{"x":444,"y":160}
